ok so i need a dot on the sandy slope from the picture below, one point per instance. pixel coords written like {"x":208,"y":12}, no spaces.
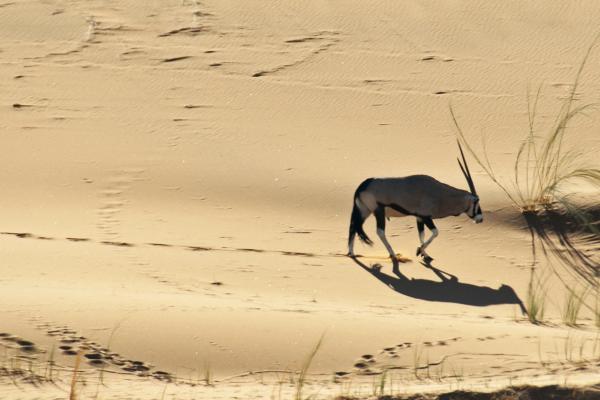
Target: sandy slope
{"x":177,"y":181}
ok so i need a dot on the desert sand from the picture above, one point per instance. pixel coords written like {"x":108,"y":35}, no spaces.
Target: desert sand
{"x":177,"y":180}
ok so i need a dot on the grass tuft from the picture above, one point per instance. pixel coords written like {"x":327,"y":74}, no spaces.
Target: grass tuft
{"x":573,"y":302}
{"x":207,"y":374}
{"x":304,"y":369}
{"x":536,"y":298}
{"x":73,"y":391}
{"x":544,"y":173}
{"x":543,"y":167}
{"x":379,"y":387}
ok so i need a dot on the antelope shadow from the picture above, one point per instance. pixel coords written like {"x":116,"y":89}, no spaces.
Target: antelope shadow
{"x":447,"y":290}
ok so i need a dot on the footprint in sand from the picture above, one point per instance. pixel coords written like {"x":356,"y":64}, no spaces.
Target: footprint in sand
{"x":19,"y":234}
{"x":361,"y":365}
{"x":95,"y":359}
{"x":363,"y":362}
{"x":119,"y":244}
{"x":136,"y":366}
{"x":77,"y":239}
{"x":18,"y":343}
{"x":9,"y":338}
{"x":118,"y":362}
{"x":26,"y":345}
{"x":70,"y":340}
{"x":96,"y":355}
{"x":368,"y":358}
{"x":389,"y":352}
{"x":162,"y":376}
{"x":198,"y":248}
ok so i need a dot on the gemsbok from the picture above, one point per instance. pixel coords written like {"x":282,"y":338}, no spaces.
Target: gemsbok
{"x":418,"y":195}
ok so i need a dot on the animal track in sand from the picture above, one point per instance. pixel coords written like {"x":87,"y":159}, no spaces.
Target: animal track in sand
{"x":326,"y":36}
{"x":113,"y":196}
{"x":486,"y":338}
{"x":436,"y":58}
{"x":368,"y":358}
{"x":297,"y":253}
{"x":77,"y":239}
{"x":198,"y":248}
{"x":187,"y":287}
{"x":298,"y":232}
{"x":363,"y":364}
{"x":159,"y":244}
{"x":18,"y":234}
{"x":95,"y":354}
{"x":17,"y":343}
{"x":188,"y":31}
{"x":137,"y":367}
{"x":251,"y":250}
{"x":95,"y":359}
{"x":117,"y":243}
{"x":392,"y":352}
{"x":121,"y":244}
{"x":173,"y":59}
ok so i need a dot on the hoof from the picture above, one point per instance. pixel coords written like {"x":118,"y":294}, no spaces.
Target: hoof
{"x":419,"y":251}
{"x":427,"y":259}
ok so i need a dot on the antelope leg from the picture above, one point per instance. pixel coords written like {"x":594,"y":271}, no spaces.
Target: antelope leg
{"x":434,"y":233}
{"x":421,"y":229}
{"x":380,"y":217}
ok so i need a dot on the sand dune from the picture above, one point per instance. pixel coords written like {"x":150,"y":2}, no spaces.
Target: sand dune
{"x":177,"y":180}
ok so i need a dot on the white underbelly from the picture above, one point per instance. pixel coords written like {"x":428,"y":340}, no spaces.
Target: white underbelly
{"x":391,"y":213}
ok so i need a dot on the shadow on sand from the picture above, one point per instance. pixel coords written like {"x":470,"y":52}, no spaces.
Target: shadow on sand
{"x":573,"y":237}
{"x":447,"y":290}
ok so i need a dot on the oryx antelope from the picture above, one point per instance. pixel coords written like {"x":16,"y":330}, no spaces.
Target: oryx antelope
{"x":418,"y":195}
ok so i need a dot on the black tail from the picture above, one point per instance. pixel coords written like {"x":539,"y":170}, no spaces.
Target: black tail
{"x":357,"y":220}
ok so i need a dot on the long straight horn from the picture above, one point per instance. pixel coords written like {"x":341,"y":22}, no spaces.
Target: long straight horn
{"x":464,"y":167}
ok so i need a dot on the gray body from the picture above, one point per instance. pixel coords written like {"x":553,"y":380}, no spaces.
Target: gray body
{"x":420,"y":196}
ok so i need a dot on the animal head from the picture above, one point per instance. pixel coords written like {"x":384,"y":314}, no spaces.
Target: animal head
{"x":474,"y":209}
